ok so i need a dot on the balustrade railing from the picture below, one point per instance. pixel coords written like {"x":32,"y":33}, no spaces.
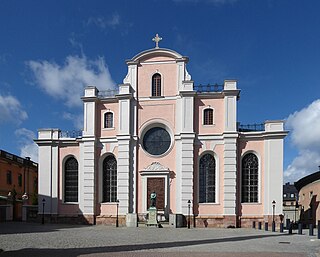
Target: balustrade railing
{"x":208,"y":88}
{"x":250,"y":127}
{"x":107,"y":93}
{"x":70,"y":134}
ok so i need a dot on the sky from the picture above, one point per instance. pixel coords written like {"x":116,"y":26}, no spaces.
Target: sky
{"x":51,"y":50}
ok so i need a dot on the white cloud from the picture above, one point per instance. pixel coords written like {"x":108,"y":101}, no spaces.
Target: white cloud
{"x":26,"y":144}
{"x":77,"y":120}
{"x":11,"y":110}
{"x":304,"y":126}
{"x":103,"y":23}
{"x":67,"y":81}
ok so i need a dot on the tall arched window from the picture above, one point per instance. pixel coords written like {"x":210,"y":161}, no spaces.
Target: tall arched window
{"x":156,"y":85}
{"x":207,"y":179}
{"x":108,"y":120}
{"x":208,"y":116}
{"x":250,"y":178}
{"x":71,"y":180}
{"x":109,"y":179}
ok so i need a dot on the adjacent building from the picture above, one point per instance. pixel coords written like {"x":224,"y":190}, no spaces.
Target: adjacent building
{"x":18,"y":181}
{"x":290,"y":202}
{"x":162,"y":132}
{"x":309,"y":192}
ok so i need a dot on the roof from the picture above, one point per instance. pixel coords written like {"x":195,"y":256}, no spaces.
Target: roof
{"x":307,"y":180}
{"x":157,"y":52}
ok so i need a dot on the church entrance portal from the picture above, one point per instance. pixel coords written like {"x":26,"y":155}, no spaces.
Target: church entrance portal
{"x":156,"y":185}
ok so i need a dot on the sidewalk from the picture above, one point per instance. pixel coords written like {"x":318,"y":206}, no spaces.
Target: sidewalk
{"x":27,"y":239}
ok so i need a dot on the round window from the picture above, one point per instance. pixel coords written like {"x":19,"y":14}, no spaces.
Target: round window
{"x":156,"y":141}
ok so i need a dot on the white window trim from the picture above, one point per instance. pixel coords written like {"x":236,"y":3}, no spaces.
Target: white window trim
{"x":104,"y":120}
{"x":162,"y":83}
{"x":65,"y":158}
{"x":213,"y":116}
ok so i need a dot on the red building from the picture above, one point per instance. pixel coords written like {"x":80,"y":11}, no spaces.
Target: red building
{"x":18,"y":180}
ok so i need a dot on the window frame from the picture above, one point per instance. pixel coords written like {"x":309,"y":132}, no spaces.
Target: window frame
{"x":109,"y":192}
{"x":156,"y":90}
{"x":250,"y":191}
{"x":215,"y":179}
{"x":105,"y":120}
{"x":65,"y":200}
{"x":205,"y":118}
{"x":9,"y":177}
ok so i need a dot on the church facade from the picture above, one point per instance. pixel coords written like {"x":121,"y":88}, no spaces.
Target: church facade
{"x":162,"y":133}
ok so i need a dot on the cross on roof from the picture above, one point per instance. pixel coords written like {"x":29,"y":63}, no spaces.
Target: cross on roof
{"x":157,"y":39}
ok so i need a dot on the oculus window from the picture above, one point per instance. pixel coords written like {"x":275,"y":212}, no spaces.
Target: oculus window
{"x":156,"y":141}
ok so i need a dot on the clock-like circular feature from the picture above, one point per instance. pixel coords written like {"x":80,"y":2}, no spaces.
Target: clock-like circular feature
{"x":156,"y":141}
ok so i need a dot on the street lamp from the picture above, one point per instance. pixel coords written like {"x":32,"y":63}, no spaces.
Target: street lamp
{"x":189,"y":203}
{"x":43,"y":204}
{"x":117,"y":218}
{"x":273,"y":213}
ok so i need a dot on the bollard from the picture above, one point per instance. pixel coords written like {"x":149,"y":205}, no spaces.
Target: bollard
{"x":318,"y":229}
{"x":290,"y":229}
{"x":281,"y":227}
{"x":253,"y":224}
{"x":311,"y":230}
{"x":259,"y":225}
{"x":266,"y":226}
{"x":273,"y":226}
{"x":287,"y":223}
{"x":300,"y":228}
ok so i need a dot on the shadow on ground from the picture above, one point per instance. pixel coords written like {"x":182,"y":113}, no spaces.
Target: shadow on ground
{"x":73,"y":252}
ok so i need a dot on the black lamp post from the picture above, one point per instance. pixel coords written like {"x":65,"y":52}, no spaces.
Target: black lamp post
{"x":273,"y":213}
{"x":117,"y":217}
{"x":189,"y":203}
{"x":43,"y":204}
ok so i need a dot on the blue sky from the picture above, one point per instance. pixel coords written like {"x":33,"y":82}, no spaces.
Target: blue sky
{"x":49,"y":50}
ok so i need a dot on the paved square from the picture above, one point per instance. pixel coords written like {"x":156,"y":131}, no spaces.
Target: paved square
{"x":28,"y":239}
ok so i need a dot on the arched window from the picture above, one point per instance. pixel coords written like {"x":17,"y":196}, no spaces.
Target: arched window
{"x":108,"y":120}
{"x":156,"y":85}
{"x":109,"y":179}
{"x":207,"y":179}
{"x":208,"y":116}
{"x":250,"y":168}
{"x":71,"y":180}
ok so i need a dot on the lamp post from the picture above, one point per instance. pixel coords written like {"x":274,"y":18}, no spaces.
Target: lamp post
{"x":117,"y":217}
{"x":189,"y":203}
{"x":273,"y":213}
{"x":43,"y":204}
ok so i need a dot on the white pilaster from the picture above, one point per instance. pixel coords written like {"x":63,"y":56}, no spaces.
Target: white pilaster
{"x":125,"y":146}
{"x":230,"y":105}
{"x":87,"y":177}
{"x":229,"y":176}
{"x":273,"y":168}
{"x":48,"y":169}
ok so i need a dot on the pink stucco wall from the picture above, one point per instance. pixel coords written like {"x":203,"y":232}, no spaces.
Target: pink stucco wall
{"x":255,"y":146}
{"x":168,"y":72}
{"x":102,"y":108}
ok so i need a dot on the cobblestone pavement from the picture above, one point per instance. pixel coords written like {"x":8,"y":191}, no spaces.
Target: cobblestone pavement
{"x":27,"y":239}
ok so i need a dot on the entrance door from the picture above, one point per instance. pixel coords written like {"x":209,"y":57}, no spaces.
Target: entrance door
{"x":156,"y":185}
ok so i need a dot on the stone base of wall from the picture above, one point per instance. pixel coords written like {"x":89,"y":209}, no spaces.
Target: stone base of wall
{"x":67,"y":219}
{"x":110,"y":220}
{"x":215,"y":221}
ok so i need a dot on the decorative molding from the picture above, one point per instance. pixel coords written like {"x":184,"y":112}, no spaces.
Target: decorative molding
{"x":156,"y":166}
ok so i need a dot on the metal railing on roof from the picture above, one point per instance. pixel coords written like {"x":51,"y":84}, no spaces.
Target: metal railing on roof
{"x":109,"y":93}
{"x":70,"y":134}
{"x":250,"y":127}
{"x":208,"y":88}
